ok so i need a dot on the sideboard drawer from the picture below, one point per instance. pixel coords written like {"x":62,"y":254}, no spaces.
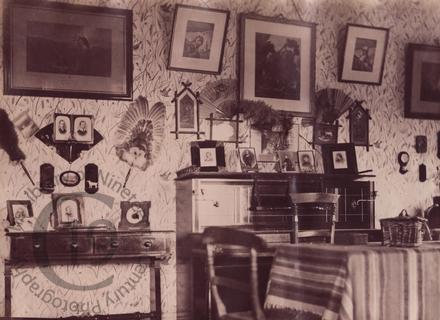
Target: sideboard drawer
{"x":128,"y":244}
{"x":28,"y":248}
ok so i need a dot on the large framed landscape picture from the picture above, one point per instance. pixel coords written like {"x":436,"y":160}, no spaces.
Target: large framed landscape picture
{"x":422,"y":91}
{"x":277,"y":63}
{"x":65,"y":50}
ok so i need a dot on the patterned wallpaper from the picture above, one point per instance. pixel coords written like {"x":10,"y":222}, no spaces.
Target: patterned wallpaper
{"x":415,"y":21}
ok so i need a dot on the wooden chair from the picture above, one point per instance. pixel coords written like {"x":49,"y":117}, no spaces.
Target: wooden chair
{"x":325,"y":202}
{"x":246,"y":242}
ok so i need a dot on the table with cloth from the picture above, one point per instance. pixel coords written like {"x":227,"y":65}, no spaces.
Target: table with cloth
{"x":357,"y":282}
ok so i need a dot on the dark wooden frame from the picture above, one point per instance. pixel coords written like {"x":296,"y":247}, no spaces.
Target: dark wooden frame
{"x":76,"y":88}
{"x":196,"y":146}
{"x":310,"y":79}
{"x":195,"y":96}
{"x":144,"y":224}
{"x":10,"y":205}
{"x":77,"y":198}
{"x":414,"y":106}
{"x":345,"y":53}
{"x":317,"y":127}
{"x":327,"y":158}
{"x":356,"y":123}
{"x":173,"y":65}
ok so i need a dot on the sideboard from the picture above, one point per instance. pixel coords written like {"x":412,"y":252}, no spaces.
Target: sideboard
{"x":212,"y":198}
{"x":77,"y":246}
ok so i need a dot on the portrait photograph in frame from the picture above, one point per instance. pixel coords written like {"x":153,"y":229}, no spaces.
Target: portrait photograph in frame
{"x":422,"y":95}
{"x":68,"y":210}
{"x":288,"y":160}
{"x":71,"y":128}
{"x":277,"y":63}
{"x":339,"y":158}
{"x":306,"y":161}
{"x":68,"y":50}
{"x":364,"y":54}
{"x":18,"y":211}
{"x":198,"y":39}
{"x":208,"y":155}
{"x":248,"y":159}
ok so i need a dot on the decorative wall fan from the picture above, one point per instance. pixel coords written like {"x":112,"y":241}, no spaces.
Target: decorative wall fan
{"x":331,"y":104}
{"x":219,"y":97}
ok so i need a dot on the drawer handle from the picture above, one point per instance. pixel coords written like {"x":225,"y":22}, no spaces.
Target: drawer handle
{"x":148,"y":244}
{"x":74,"y":245}
{"x":37,"y":245}
{"x":114,"y":244}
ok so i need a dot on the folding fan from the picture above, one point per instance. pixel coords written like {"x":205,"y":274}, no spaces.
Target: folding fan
{"x":331,"y":104}
{"x":219,"y":97}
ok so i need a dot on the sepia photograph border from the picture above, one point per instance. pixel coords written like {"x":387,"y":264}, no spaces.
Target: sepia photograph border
{"x":182,"y":14}
{"x":250,"y":25}
{"x":19,"y":81}
{"x":346,"y":71}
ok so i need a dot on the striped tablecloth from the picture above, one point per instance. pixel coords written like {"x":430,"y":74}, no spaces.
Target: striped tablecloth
{"x":369,"y":282}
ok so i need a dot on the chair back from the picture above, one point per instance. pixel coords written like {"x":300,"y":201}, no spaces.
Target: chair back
{"x":217,"y":239}
{"x":326,"y":202}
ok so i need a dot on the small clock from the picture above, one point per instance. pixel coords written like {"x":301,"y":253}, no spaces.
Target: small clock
{"x":135,"y":215}
{"x":403,"y":159}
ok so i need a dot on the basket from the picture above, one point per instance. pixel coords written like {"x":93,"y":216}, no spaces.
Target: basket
{"x":404,"y":231}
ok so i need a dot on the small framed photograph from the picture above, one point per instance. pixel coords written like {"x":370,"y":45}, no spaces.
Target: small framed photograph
{"x":288,"y":160}
{"x":68,"y":210}
{"x":83,"y":129}
{"x":277,"y":63}
{"x":306,"y":160}
{"x":208,"y":155}
{"x":18,"y":211}
{"x":73,"y":128}
{"x":248,"y":159}
{"x":324,"y":133}
{"x":187,"y":113}
{"x":422,"y":75}
{"x":68,"y":50}
{"x":359,"y":126}
{"x":339,"y":158}
{"x":198,"y":39}
{"x":135,"y":215}
{"x":364,"y":54}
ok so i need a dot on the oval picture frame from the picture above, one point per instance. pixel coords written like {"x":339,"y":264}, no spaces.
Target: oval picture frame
{"x":70,"y":178}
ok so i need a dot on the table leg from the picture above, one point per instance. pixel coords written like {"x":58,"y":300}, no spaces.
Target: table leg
{"x":8,"y":291}
{"x":155,"y":290}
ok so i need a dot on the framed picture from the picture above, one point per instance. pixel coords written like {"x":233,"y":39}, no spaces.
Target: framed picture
{"x":68,"y":50}
{"x":135,"y":215}
{"x":359,"y":126}
{"x":73,"y":128}
{"x":324,"y":133}
{"x":422,"y":94}
{"x":68,"y":210}
{"x":208,"y":155}
{"x":306,"y":161}
{"x":364,"y":54}
{"x":248,"y":159}
{"x":198,"y":39}
{"x":288,"y":160}
{"x":18,"y":211}
{"x":339,"y":158}
{"x":277,"y":63}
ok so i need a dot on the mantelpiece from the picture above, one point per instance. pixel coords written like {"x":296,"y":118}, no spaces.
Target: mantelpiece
{"x":91,"y":246}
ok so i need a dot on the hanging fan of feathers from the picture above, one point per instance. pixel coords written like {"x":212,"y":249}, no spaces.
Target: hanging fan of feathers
{"x":331,"y":104}
{"x":140,"y":134}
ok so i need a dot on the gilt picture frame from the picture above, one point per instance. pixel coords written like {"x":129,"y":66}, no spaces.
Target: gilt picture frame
{"x":277,"y":63}
{"x":198,"y":39}
{"x":364,"y":54}
{"x":422,"y":96}
{"x":67,"y":50}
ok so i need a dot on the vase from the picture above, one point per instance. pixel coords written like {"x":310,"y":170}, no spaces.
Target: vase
{"x":433,"y":214}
